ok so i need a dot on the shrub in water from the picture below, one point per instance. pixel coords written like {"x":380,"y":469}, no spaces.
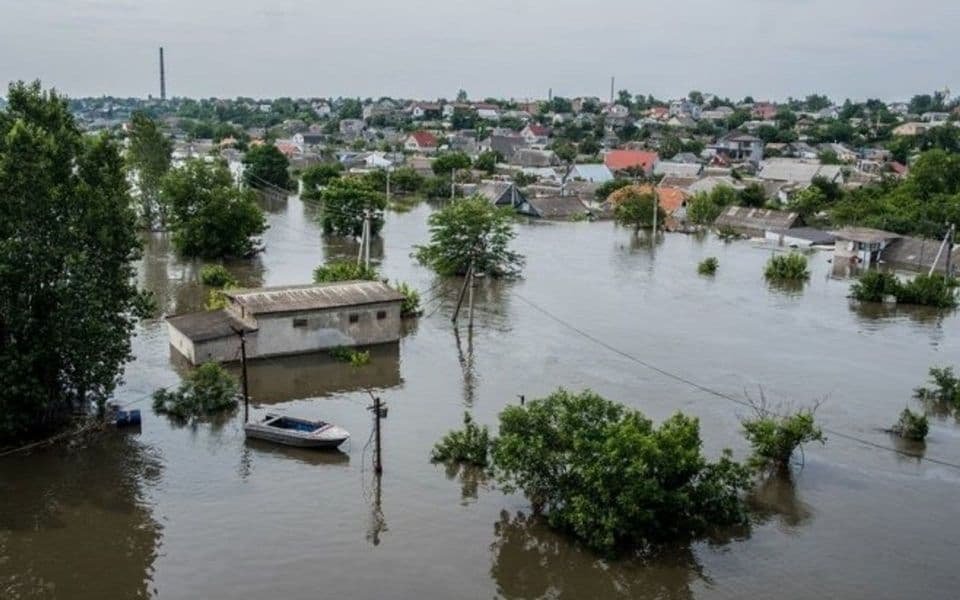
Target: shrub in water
{"x":912,"y":426}
{"x":774,"y":439}
{"x":344,"y":270}
{"x":470,"y":445}
{"x":410,"y":306}
{"x":874,"y":286}
{"x":946,"y":388}
{"x":929,"y":290}
{"x":787,"y":267}
{"x":216,"y":276}
{"x":207,"y":390}
{"x":708,"y":266}
{"x":343,"y":354}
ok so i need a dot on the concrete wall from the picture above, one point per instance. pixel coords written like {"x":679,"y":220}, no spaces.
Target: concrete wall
{"x":309,"y":331}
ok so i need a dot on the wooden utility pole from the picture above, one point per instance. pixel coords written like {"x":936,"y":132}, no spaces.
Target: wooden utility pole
{"x":948,"y":272}
{"x":379,"y":412}
{"x":470,"y":299}
{"x":388,"y":184}
{"x":243,"y":370}
{"x":366,"y":238}
{"x":453,"y":185}
{"x":466,"y":282}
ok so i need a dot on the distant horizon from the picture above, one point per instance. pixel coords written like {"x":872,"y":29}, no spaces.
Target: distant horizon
{"x":768,"y":49}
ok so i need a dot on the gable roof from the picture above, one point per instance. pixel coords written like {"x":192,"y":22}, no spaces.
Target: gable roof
{"x":208,"y":325}
{"x":294,"y":298}
{"x":618,"y":160}
{"x":591,"y":172}
{"x":538,"y":130}
{"x":558,"y":207}
{"x":671,"y":198}
{"x":797,"y":170}
{"x":424,"y":138}
{"x":677,"y":169}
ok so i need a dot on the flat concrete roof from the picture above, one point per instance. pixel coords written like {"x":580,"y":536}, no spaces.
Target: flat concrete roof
{"x":295,"y":298}
{"x":208,"y":325}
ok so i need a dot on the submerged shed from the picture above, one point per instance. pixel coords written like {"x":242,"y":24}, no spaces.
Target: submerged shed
{"x":755,"y":221}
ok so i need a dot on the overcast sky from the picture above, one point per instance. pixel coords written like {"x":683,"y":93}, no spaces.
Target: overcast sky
{"x":511,"y":48}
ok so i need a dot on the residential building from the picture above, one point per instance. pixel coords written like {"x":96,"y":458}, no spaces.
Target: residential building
{"x":421,"y":141}
{"x":765,"y":111}
{"x":755,"y":221}
{"x":685,"y":108}
{"x":351,"y":128}
{"x":861,"y":245}
{"x":535,"y":133}
{"x":594,"y":173}
{"x":739,"y":146}
{"x":619,"y":161}
{"x":426,"y":110}
{"x":798,"y":171}
{"x":290,"y":320}
{"x":303,"y":141}
{"x":490,"y":112}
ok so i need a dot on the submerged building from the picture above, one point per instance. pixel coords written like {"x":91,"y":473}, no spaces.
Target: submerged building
{"x":290,"y":320}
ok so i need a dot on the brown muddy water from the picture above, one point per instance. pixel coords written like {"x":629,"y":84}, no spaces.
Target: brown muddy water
{"x":196,"y":512}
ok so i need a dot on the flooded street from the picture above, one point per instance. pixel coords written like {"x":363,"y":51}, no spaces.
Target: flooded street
{"x":197,"y":512}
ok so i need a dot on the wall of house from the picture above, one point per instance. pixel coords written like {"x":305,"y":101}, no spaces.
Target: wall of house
{"x":181,"y":343}
{"x":225,"y":349}
{"x":309,"y":331}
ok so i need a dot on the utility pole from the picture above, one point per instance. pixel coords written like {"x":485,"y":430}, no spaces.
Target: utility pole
{"x":470,"y":301}
{"x":453,"y":177}
{"x":366,"y":238}
{"x":388,"y":184}
{"x":948,"y":272}
{"x":243,"y":369}
{"x":363,"y":235}
{"x":466,"y":282}
{"x":379,"y":412}
{"x":656,"y":210}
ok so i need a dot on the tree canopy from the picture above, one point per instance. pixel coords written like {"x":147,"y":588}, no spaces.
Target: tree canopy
{"x":210,"y":216}
{"x":472,"y":228}
{"x":345,"y":202}
{"x":68,"y":235}
{"x":316,"y":176}
{"x":148,"y":154}
{"x":265,"y":165}
{"x":448,"y":161}
{"x":633,"y":207}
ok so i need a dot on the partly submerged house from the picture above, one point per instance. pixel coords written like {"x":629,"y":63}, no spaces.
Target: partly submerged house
{"x":505,"y":193}
{"x":755,"y":221}
{"x":290,"y":320}
{"x":920,"y":254}
{"x":861,"y":244}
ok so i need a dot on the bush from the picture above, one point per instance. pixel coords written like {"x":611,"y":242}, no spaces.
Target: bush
{"x":357,"y":358}
{"x":470,"y":445}
{"x":317,"y":176}
{"x":874,"y":286}
{"x":216,"y":276}
{"x":912,"y":426}
{"x":605,"y":474}
{"x":946,"y":390}
{"x":344,"y":270}
{"x":410,"y":306}
{"x":774,"y":438}
{"x":207,"y":390}
{"x":787,"y":267}
{"x":924,"y":290}
{"x":708,"y":266}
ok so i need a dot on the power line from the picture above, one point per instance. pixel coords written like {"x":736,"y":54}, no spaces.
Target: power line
{"x":714,"y":392}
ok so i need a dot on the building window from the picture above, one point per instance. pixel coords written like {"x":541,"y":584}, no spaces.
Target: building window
{"x":354,"y":318}
{"x":299,"y":323}
{"x":381,"y":315}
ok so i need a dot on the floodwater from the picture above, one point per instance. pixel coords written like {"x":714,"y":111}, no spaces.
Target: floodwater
{"x":196,"y":512}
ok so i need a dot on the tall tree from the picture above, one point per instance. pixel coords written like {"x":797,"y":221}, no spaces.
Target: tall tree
{"x":68,"y":303}
{"x":266,"y":166}
{"x":345,"y":202}
{"x":633,"y":207}
{"x":210,"y":216}
{"x":148,"y":154}
{"x":471,"y":229}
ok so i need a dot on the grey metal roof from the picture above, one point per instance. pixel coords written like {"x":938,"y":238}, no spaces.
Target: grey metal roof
{"x":918,"y":254}
{"x":209,"y":325}
{"x":816,"y":236}
{"x":677,"y":169}
{"x":313,"y":296}
{"x":864,"y":235}
{"x":759,"y":219}
{"x":558,"y":207}
{"x":797,"y":170}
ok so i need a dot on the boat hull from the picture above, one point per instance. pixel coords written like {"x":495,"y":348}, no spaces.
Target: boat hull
{"x":329,"y":436}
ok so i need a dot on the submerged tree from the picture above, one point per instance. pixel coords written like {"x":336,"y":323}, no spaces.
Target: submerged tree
{"x":315,"y":177}
{"x":68,"y":303}
{"x":607,"y":475}
{"x":265,"y":165}
{"x":633,"y":207}
{"x":207,"y":390}
{"x":475,"y":230}
{"x":148,"y":154}
{"x":344,"y":270}
{"x":945,"y":390}
{"x":774,"y":438}
{"x":346,"y":202}
{"x":210,"y":216}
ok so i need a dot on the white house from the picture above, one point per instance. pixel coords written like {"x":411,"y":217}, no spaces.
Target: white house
{"x":593,"y":173}
{"x":535,"y":133}
{"x":490,"y":112}
{"x":421,"y":141}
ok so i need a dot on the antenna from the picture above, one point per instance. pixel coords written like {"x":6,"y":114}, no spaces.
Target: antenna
{"x":163,"y":78}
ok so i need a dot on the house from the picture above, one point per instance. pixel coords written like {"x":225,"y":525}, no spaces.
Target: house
{"x":489,"y":112}
{"x":755,"y":221}
{"x":673,"y":201}
{"x":322,"y":109}
{"x":531,"y":157}
{"x":630,"y":160}
{"x":535,"y":133}
{"x":919,"y":254}
{"x":505,"y":145}
{"x":351,"y":128}
{"x":721,"y":113}
{"x":425,"y":110}
{"x":307,"y":140}
{"x":669,"y":168}
{"x":684,"y":108}
{"x":708,"y":184}
{"x":801,"y":150}
{"x":594,"y":173}
{"x":861,"y":244}
{"x":556,"y":207}
{"x":681,"y":121}
{"x":421,"y":141}
{"x":290,"y":320}
{"x":505,"y":193}
{"x":911,"y":128}
{"x":739,"y":146}
{"x":798,"y":171}
{"x":800,"y":237}
{"x":660,"y":113}
{"x":842,"y":153}
{"x":938,"y":118}
{"x":765,"y":111}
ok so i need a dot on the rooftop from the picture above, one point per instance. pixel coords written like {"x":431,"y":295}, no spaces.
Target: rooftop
{"x":865,"y":235}
{"x":313,"y":296}
{"x":209,"y":325}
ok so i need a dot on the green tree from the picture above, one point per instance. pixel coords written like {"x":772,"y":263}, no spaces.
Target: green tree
{"x":265,"y":165}
{"x":148,"y":154}
{"x":753,"y":195}
{"x":446,"y":162}
{"x":471,"y":229}
{"x":68,"y":234}
{"x":207,"y":390}
{"x":774,"y":438}
{"x":829,"y":157}
{"x":406,"y":180}
{"x":702,"y":210}
{"x":462,"y":96}
{"x":487,"y":161}
{"x":670,"y":146}
{"x":463,"y":117}
{"x":634,"y":208}
{"x":317,"y":176}
{"x":344,"y":270}
{"x":350,"y":108}
{"x":345,"y":201}
{"x":210,"y":216}
{"x":605,"y":474}
{"x":608,"y":187}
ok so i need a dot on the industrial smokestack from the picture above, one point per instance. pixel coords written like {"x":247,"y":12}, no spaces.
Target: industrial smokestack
{"x":163,"y":78}
{"x":611,"y":88}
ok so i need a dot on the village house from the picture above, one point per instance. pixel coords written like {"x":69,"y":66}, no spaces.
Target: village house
{"x":505,"y":145}
{"x":421,"y":141}
{"x":535,"y":133}
{"x":765,"y":111}
{"x":487,"y":111}
{"x":861,"y":245}
{"x":625,"y":161}
{"x":843,"y":153}
{"x":685,"y":108}
{"x":290,"y":320}
{"x":306,"y":140}
{"x":800,"y":237}
{"x":426,"y":110}
{"x":593,"y":173}
{"x":755,"y":221}
{"x":686,"y":170}
{"x":739,"y":146}
{"x":503,"y":193}
{"x":351,"y":128}
{"x":920,"y":255}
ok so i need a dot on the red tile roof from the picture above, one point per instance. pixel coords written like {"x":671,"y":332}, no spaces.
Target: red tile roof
{"x":617,"y":160}
{"x":671,"y":198}
{"x":424,"y":139}
{"x":539,"y":130}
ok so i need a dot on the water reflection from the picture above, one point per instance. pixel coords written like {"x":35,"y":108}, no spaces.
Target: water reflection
{"x":466,"y":365}
{"x":531,"y":561}
{"x":775,"y":497}
{"x":254,"y":449}
{"x":272,"y":202}
{"x":280,"y":379}
{"x":340,"y":248}
{"x":58,"y":504}
{"x":878,"y":311}
{"x":470,"y":478}
{"x":378,"y":523}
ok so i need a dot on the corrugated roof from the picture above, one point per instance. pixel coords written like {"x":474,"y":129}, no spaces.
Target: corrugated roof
{"x":210,"y":325}
{"x":313,"y":297}
{"x":758,"y":219}
{"x":559,"y":207}
{"x":918,"y":254}
{"x":677,"y":169}
{"x":797,"y":170}
{"x":865,"y":235}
